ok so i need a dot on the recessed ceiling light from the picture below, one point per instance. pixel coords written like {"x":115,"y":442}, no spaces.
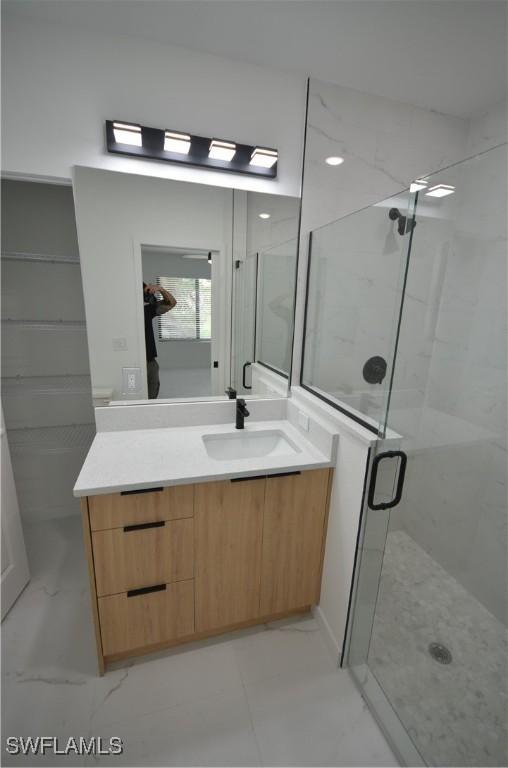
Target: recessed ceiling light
{"x":440,"y":190}
{"x":264,"y":215}
{"x":177,"y":142}
{"x":417,"y":185}
{"x":221,"y":150}
{"x":334,"y":160}
{"x":264,"y":158}
{"x":125,"y":133}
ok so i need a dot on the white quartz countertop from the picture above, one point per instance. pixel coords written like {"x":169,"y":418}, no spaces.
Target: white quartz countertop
{"x":146,"y":458}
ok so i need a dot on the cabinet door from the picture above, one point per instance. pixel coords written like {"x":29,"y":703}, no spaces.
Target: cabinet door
{"x":293,"y":535}
{"x":228,"y":519}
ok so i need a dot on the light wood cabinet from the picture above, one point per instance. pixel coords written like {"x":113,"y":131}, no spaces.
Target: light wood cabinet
{"x":229,"y":527}
{"x":182,"y":563}
{"x":294,"y":521}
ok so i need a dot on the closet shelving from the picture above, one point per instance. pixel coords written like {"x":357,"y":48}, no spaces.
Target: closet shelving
{"x":46,"y":388}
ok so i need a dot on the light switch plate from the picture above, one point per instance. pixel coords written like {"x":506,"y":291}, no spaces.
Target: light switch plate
{"x":131,"y":381}
{"x":120,"y":344}
{"x":303,"y":421}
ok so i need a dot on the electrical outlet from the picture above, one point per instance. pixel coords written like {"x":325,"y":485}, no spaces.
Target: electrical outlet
{"x":131,"y":381}
{"x":120,"y":345}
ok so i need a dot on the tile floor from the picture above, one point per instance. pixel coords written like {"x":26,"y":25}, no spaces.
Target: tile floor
{"x":456,"y":714}
{"x":265,"y":696}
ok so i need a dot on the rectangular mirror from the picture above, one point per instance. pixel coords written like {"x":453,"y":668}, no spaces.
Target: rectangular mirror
{"x":189,"y":289}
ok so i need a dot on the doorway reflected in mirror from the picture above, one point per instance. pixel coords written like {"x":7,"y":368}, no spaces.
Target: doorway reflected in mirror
{"x":178,"y":335}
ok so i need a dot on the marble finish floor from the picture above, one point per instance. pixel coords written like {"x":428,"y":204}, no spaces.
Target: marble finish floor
{"x":456,"y":714}
{"x":265,"y":696}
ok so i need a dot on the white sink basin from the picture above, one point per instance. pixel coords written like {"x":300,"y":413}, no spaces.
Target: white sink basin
{"x":248,"y":445}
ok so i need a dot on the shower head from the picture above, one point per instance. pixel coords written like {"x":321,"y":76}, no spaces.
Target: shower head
{"x":404,"y":225}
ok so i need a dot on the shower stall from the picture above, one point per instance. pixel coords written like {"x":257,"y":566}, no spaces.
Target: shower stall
{"x":406,"y":332}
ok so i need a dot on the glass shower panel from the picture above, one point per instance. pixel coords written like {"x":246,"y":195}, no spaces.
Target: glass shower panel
{"x":275,"y":306}
{"x":354,"y":291}
{"x":244,"y":321}
{"x":433,"y":652}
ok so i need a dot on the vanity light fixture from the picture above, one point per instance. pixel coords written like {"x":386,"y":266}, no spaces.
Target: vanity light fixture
{"x":417,"y":185}
{"x":222,"y":150}
{"x":440,"y":190}
{"x":334,"y":160}
{"x":264,"y":158}
{"x":170,"y":146}
{"x":177,"y":142}
{"x":264,"y":215}
{"x":126,"y":133}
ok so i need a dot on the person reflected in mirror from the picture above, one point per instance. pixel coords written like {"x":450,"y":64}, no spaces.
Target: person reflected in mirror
{"x":154,"y":307}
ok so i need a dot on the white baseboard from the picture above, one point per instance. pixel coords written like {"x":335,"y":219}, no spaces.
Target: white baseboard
{"x":331,"y":642}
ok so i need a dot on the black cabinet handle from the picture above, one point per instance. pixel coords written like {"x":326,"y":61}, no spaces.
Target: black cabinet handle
{"x":141,"y":490}
{"x":263,"y":477}
{"x":244,"y":369}
{"x":400,"y":480}
{"x":146,"y":590}
{"x":245,"y":479}
{"x":140,"y":526}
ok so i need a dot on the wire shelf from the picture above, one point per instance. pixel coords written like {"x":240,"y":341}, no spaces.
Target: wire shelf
{"x":44,"y":257}
{"x":51,"y":439}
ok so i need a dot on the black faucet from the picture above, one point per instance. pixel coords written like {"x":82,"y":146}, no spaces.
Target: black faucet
{"x":241,"y":412}
{"x":230,"y":392}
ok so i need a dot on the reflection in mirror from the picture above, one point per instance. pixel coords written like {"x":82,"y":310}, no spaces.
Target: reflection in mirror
{"x":192,"y":333}
{"x":178,"y":321}
{"x":264,"y":284}
{"x":275,"y":306}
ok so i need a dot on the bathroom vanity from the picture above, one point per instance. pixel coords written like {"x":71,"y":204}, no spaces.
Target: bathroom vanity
{"x":208,"y":549}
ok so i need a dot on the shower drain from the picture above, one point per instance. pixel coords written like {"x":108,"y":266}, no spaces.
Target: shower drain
{"x":440,"y":653}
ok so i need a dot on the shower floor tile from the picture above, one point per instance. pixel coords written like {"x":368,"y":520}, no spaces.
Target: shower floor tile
{"x":456,"y":714}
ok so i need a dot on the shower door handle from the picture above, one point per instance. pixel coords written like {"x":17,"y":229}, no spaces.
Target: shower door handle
{"x":400,"y":479}
{"x":244,"y":370}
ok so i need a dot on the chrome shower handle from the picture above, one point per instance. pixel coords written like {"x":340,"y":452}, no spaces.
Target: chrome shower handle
{"x":400,"y":479}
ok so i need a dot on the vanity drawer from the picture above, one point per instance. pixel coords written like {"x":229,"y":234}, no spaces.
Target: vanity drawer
{"x":114,"y":510}
{"x":143,"y":554}
{"x":130,"y":621}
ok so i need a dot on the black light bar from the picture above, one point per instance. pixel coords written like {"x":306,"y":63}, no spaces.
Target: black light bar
{"x":134,"y":140}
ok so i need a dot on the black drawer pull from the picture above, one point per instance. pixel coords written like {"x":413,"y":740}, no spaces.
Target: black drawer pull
{"x":146,"y":590}
{"x":244,"y":479}
{"x":141,"y":490}
{"x":140,"y":526}
{"x":264,"y":477}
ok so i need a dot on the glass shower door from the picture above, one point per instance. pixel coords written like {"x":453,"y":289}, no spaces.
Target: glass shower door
{"x":428,"y":641}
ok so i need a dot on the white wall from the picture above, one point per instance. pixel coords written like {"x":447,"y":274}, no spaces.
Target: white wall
{"x":115,"y":213}
{"x":59,"y":85}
